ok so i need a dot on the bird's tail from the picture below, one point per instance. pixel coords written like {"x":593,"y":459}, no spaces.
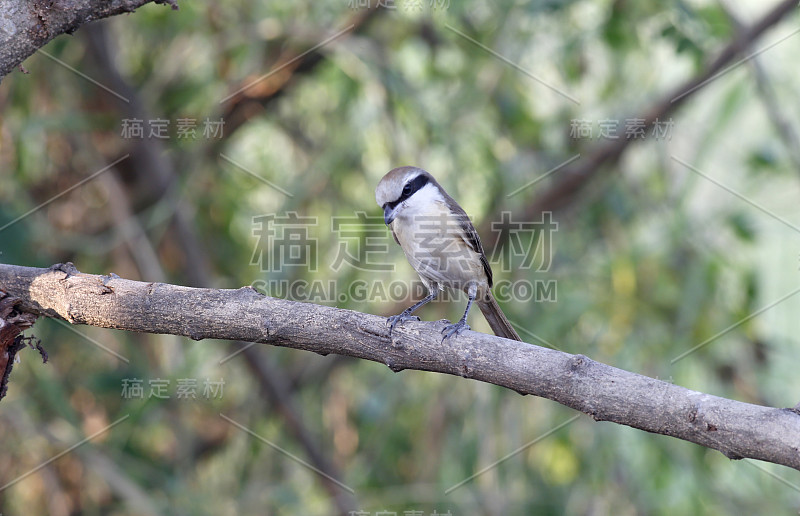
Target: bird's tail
{"x":496,"y":318}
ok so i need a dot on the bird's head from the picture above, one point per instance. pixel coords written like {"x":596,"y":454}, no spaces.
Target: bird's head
{"x":402,"y":188}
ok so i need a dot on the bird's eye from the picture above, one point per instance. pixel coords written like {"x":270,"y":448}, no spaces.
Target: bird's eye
{"x":407,"y":189}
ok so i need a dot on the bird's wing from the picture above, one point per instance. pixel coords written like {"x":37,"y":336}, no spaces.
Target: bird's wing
{"x":473,"y":240}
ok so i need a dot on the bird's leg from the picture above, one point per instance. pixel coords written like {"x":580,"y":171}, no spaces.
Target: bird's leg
{"x":405,"y":315}
{"x":461,"y":325}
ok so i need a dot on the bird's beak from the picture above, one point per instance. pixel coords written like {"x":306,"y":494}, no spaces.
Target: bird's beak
{"x":389,"y":213}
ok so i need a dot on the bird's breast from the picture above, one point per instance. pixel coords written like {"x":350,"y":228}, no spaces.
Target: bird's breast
{"x":433,"y":242}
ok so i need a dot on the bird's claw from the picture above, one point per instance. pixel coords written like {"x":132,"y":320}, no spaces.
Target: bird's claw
{"x":454,"y":329}
{"x":394,"y":320}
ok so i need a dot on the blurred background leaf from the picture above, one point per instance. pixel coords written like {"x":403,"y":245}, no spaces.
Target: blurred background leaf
{"x":649,"y":261}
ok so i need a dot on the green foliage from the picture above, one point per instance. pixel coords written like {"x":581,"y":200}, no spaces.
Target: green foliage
{"x":651,"y":260}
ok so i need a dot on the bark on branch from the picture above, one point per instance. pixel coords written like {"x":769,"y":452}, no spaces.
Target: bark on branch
{"x":606,"y":393}
{"x":27,"y":26}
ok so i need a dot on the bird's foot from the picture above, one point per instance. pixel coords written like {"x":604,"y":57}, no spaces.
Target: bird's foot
{"x":454,"y":329}
{"x":394,"y":320}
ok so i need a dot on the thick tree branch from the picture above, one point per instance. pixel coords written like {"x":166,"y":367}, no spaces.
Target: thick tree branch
{"x":606,"y":393}
{"x":27,"y":26}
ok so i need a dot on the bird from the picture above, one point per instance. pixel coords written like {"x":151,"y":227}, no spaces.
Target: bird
{"x":441,"y":244}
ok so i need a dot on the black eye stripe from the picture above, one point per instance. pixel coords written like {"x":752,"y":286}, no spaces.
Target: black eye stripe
{"x":415,"y":184}
{"x":409,"y":189}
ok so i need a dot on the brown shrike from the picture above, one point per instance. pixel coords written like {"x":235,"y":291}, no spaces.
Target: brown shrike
{"x":441,"y":244}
